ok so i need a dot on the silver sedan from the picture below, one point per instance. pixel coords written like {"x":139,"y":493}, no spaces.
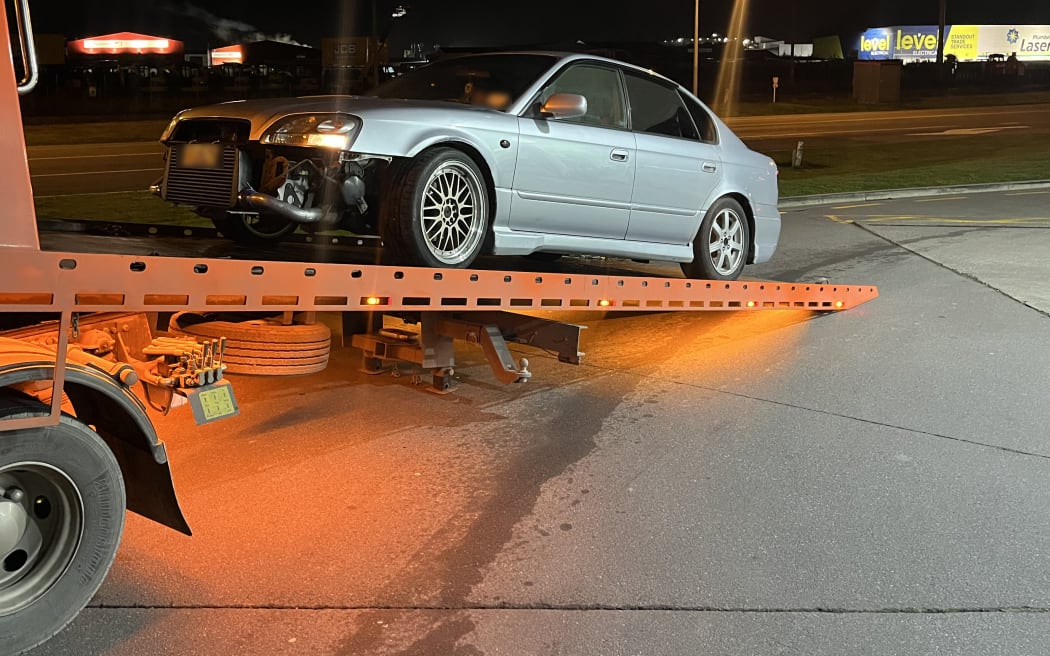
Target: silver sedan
{"x":526,"y":153}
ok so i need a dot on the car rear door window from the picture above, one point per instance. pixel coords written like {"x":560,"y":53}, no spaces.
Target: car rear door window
{"x":657,"y":108}
{"x":601,"y":86}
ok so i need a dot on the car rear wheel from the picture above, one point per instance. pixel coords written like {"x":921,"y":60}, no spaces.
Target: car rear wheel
{"x":253,"y":229}
{"x":436,"y":211}
{"x":721,"y":245}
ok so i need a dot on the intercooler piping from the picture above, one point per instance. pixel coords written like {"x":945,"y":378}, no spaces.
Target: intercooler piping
{"x":257,"y":201}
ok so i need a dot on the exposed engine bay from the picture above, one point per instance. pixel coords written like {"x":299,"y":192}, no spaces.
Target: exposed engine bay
{"x":259,"y":192}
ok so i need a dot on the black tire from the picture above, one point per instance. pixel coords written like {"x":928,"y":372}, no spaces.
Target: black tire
{"x":720,"y":250}
{"x":261,"y":346}
{"x":427,"y":224}
{"x":71,"y":493}
{"x":251,"y":230}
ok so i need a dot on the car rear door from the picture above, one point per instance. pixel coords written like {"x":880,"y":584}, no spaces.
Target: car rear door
{"x":677,"y":171}
{"x":575,"y":176}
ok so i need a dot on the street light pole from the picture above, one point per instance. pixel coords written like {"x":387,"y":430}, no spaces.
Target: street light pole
{"x":940,"y":31}
{"x":696,"y":48}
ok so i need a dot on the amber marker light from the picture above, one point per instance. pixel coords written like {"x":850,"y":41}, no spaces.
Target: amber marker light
{"x":374,"y":300}
{"x":604,"y":303}
{"x":751,"y":304}
{"x":839,"y":304}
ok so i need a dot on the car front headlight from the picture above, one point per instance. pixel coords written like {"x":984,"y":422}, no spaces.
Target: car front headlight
{"x":335,"y":131}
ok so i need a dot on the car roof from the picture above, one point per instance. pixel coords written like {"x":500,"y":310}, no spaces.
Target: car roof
{"x":564,"y":56}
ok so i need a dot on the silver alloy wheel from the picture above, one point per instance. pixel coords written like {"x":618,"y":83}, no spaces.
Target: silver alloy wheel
{"x":453,"y":212}
{"x":726,"y":241}
{"x":41,"y":526}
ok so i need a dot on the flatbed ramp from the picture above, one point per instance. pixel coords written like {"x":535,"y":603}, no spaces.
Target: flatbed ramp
{"x":85,"y":282}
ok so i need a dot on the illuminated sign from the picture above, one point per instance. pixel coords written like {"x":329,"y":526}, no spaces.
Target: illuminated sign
{"x":876,"y":44}
{"x":1027,"y":41}
{"x":125,"y":43}
{"x":965,"y":42}
{"x":227,"y":55}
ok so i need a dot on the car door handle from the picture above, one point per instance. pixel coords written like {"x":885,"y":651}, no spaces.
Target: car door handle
{"x":708,"y":167}
{"x":618,"y":155}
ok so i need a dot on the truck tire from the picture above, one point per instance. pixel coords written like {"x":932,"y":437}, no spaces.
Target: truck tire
{"x":721,"y":245}
{"x":435,"y":211}
{"x":61,"y":518}
{"x":261,"y":346}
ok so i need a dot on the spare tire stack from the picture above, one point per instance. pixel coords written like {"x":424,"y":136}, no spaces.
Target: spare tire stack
{"x":262,"y":346}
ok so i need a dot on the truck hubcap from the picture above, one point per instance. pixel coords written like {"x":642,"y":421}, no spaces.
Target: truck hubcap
{"x":41,"y":524}
{"x":12,"y":521}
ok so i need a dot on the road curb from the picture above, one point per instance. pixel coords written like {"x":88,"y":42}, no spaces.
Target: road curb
{"x":795,"y":202}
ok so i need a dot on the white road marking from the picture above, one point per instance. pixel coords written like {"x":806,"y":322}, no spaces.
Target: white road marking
{"x":850,"y":207}
{"x":42,"y":159}
{"x":59,"y":175}
{"x":954,"y":132}
{"x":94,"y":193}
{"x":939,"y":199}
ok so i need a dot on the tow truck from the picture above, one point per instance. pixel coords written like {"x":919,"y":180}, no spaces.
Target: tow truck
{"x":81,"y":363}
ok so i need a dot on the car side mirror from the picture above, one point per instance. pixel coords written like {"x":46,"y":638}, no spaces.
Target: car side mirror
{"x":564,"y":105}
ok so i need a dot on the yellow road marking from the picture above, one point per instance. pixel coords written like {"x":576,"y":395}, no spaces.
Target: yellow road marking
{"x":961,"y":221}
{"x":850,"y":207}
{"x":837,"y":219}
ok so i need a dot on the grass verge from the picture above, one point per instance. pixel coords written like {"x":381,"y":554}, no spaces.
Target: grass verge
{"x":58,"y":134}
{"x":845,"y":166}
{"x":119,"y":207}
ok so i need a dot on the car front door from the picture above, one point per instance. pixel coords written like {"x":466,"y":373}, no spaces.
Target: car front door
{"x":677,"y":170}
{"x":574,"y":176}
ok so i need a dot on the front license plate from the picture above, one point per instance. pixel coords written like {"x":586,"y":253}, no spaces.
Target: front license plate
{"x":200,"y":156}
{"x":212,"y":402}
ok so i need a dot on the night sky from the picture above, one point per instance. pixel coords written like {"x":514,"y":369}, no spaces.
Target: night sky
{"x":493,"y":22}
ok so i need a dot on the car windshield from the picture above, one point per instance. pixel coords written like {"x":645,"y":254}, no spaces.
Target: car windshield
{"x":493,"y":81}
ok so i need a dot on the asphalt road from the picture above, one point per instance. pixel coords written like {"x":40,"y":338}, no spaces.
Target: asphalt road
{"x":870,"y":482}
{"x":101,"y":168}
{"x":94,"y":168}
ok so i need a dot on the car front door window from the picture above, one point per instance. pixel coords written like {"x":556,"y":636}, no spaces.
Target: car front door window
{"x":602,"y":89}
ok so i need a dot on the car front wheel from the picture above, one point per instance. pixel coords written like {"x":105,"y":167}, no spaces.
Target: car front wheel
{"x":436,"y":211}
{"x":721,"y":244}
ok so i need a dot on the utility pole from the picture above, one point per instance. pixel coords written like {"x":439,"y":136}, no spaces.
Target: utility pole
{"x":940,"y":32}
{"x":696,"y":49}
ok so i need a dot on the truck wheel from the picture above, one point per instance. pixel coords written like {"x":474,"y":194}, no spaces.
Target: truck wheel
{"x":436,"y":212}
{"x":253,"y":230}
{"x":61,"y":519}
{"x":721,"y":244}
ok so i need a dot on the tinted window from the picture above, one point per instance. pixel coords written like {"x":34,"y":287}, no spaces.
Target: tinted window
{"x":701,"y":119}
{"x":658,"y":109}
{"x":491,"y":80}
{"x":600,"y":86}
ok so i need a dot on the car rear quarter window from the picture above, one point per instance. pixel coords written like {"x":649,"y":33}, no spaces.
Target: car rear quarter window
{"x":657,"y":108}
{"x":702,"y":119}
